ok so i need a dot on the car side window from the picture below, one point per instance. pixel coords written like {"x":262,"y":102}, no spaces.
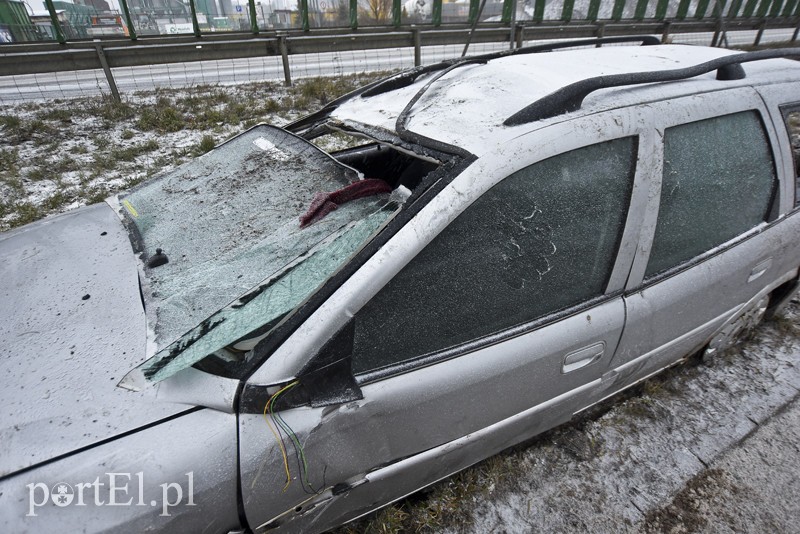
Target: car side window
{"x":791,"y":117}
{"x":718,"y":182}
{"x":543,"y":239}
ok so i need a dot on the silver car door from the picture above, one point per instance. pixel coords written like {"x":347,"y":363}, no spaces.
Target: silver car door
{"x":715,"y":242}
{"x":422,"y":365}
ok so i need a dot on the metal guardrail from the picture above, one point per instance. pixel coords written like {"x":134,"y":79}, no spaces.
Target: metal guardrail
{"x":49,"y":57}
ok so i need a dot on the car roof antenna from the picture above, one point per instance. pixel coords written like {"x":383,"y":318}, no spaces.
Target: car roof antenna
{"x":474,"y":26}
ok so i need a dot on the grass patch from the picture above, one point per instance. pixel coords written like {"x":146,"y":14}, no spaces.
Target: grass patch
{"x":786,"y":326}
{"x":444,"y":505}
{"x":23,"y":213}
{"x":38,"y":174}
{"x":206,"y":144}
{"x":642,"y":407}
{"x":101,"y":142}
{"x":108,"y":109}
{"x":270,"y":105}
{"x":163,"y":117}
{"x":10,"y":123}
{"x":204,"y":98}
{"x":132,"y":152}
{"x":316,"y":92}
{"x":57,"y":114}
{"x":96,"y":194}
{"x":9,"y":161}
{"x":64,"y":164}
{"x":57,"y":200}
{"x":17,"y":131}
{"x":15,"y":188}
{"x":109,"y":160}
{"x":310,"y":94}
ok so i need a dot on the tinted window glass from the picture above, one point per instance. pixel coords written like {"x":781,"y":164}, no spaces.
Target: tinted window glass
{"x":718,"y":182}
{"x":541,"y":240}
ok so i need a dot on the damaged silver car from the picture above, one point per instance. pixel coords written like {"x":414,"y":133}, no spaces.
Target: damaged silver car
{"x":277,"y":338}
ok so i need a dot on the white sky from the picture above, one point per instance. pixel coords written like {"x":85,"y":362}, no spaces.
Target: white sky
{"x":39,"y":5}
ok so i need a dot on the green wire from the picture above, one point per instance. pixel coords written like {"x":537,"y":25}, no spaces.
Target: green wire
{"x":298,"y":448}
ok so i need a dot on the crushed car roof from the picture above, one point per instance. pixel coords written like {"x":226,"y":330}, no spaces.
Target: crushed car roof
{"x":467,"y":106}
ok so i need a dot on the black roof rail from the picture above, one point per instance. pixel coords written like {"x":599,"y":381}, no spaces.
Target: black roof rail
{"x":408,"y":77}
{"x":570,"y":97}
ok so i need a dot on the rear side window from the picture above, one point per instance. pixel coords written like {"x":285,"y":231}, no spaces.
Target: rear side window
{"x":719,"y":178}
{"x":543,"y":239}
{"x":792,"y":118}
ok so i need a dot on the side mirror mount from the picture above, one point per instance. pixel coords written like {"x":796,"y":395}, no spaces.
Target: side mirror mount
{"x":328,"y":378}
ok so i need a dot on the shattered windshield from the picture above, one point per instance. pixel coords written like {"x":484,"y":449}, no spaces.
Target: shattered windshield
{"x":239,"y":237}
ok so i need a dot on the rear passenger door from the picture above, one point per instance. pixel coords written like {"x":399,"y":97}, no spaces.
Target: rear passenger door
{"x":706,"y":251}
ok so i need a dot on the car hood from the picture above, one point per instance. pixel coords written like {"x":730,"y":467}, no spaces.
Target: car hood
{"x":71,"y":325}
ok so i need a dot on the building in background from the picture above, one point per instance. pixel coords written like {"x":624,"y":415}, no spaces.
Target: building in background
{"x":15,"y":23}
{"x":160,"y":16}
{"x":101,"y":6}
{"x":79,"y":16}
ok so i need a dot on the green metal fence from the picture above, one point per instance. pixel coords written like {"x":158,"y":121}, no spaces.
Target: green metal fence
{"x":200,"y":17}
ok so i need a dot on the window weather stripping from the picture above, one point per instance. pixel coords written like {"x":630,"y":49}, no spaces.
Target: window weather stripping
{"x":402,"y":119}
{"x":570,"y":97}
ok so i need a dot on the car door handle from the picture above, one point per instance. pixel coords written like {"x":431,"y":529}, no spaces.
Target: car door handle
{"x":760,"y":268}
{"x":583,"y":357}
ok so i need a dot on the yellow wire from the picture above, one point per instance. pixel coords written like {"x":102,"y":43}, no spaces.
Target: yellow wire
{"x":280,"y":444}
{"x":277,"y":437}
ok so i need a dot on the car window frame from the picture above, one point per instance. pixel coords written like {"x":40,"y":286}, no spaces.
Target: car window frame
{"x":775,"y":97}
{"x":784,"y":110}
{"x":507,"y":331}
{"x":695,"y":108}
{"x":541,"y":142}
